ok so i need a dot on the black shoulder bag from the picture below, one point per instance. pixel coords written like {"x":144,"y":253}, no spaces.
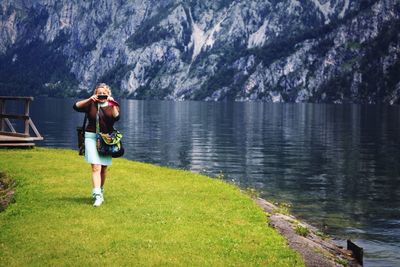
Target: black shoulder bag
{"x":81,"y":136}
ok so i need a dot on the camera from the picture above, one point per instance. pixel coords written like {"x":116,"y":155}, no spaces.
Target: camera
{"x":102,"y":97}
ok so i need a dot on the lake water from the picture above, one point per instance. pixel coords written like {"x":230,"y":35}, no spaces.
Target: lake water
{"x":338,"y":165}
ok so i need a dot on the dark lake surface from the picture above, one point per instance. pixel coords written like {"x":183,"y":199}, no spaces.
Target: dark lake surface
{"x":338,"y":165}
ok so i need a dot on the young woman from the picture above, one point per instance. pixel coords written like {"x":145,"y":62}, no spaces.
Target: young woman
{"x":109,"y":114}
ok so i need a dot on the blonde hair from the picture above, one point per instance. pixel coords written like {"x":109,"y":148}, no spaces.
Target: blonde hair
{"x":104,"y":86}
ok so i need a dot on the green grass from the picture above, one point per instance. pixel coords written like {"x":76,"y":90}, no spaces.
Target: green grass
{"x":152,"y":216}
{"x":301,"y":230}
{"x":283,"y":208}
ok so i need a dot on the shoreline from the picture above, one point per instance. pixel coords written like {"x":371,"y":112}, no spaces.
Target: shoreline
{"x":316,"y":251}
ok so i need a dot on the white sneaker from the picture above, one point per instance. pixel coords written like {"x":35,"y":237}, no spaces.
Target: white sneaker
{"x":94,"y":195}
{"x":98,"y":200}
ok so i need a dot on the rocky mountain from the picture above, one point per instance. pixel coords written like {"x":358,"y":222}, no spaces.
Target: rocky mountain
{"x":277,"y":51}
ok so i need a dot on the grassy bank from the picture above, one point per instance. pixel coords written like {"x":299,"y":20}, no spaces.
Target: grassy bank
{"x":151,"y":216}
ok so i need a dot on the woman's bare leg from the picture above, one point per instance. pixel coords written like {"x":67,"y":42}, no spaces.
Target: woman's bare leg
{"x":103,"y":175}
{"x":96,"y":175}
{"x":96,"y":179}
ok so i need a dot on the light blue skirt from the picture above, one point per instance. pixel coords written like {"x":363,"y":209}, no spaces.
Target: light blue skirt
{"x":91,"y":154}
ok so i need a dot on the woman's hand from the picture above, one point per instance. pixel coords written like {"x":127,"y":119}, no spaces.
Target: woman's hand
{"x":94,"y":98}
{"x":86,"y":101}
{"x":115,"y":108}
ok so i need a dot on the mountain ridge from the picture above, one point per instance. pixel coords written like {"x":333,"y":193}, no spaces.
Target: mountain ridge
{"x":276,"y":51}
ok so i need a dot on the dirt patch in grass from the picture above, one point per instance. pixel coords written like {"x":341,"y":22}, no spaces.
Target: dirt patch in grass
{"x":7,"y":190}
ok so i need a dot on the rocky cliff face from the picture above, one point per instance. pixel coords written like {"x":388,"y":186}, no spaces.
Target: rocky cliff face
{"x":278,"y":51}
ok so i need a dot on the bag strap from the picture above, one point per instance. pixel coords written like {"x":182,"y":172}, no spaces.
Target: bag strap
{"x":84,"y":122}
{"x":97,"y":119}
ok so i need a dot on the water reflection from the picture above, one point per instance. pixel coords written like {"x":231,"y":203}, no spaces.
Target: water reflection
{"x":337,"y":164}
